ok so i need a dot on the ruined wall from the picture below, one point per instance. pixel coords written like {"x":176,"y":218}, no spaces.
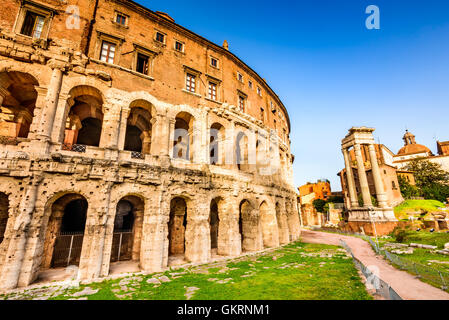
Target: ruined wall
{"x":50,"y":82}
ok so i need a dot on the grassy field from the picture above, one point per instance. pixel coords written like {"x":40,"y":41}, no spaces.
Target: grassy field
{"x":295,"y":272}
{"x":423,"y":256}
{"x":409,"y":206}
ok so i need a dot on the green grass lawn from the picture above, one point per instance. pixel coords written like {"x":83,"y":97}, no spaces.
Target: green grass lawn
{"x":295,"y":272}
{"x":401,"y":211}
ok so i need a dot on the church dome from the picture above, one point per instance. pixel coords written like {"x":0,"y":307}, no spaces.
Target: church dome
{"x":411,"y":147}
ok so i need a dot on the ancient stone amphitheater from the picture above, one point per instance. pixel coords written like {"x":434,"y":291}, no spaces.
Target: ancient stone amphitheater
{"x":125,"y":137}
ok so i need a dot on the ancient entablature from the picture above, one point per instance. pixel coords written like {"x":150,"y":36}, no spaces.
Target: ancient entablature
{"x":129,"y":138}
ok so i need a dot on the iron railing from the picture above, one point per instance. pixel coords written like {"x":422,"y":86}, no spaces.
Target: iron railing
{"x":137,"y":155}
{"x":74,"y":147}
{"x":9,"y":140}
{"x":122,"y":246}
{"x":382,"y":287}
{"x":67,"y":249}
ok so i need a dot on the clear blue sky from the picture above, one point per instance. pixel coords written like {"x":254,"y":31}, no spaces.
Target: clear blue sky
{"x":332,"y":73}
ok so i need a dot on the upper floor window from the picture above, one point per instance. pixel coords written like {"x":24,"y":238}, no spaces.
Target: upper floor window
{"x":107,"y":52}
{"x":143,"y":61}
{"x":160,"y":37}
{"x":179,"y":46}
{"x":190,"y":82}
{"x":212,"y":90}
{"x":214,"y":62}
{"x":250,"y":84}
{"x":239,"y":76}
{"x":241,"y":103}
{"x":259,"y":92}
{"x":121,"y":19}
{"x":33,"y":25}
{"x":262,"y":114}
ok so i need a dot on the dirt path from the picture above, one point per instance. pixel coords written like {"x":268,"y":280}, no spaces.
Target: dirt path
{"x":405,"y":284}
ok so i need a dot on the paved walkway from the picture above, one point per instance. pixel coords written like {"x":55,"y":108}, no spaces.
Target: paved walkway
{"x":405,"y":284}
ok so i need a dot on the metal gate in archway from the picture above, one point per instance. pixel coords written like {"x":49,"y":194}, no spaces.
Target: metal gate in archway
{"x":67,"y":249}
{"x":122,"y":244}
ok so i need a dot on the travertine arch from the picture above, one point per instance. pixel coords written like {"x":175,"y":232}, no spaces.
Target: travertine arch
{"x":138,"y":207}
{"x":18,"y":99}
{"x":18,"y":66}
{"x":157,"y":107}
{"x":249,"y":225}
{"x":72,"y":82}
{"x":54,"y":211}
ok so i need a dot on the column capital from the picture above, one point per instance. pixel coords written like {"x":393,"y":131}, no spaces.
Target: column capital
{"x":57,"y":64}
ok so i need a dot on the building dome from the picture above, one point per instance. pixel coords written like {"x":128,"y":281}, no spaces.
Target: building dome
{"x":410,"y":145}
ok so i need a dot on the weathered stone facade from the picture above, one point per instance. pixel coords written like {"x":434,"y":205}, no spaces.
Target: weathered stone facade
{"x":90,"y":150}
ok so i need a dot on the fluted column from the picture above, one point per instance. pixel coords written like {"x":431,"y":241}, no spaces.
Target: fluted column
{"x":380,"y":194}
{"x":230,"y":148}
{"x":350,"y":178}
{"x":366,"y":196}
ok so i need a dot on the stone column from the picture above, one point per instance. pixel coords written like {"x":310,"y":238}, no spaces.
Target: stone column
{"x":350,"y":178}
{"x":160,"y":135}
{"x":229,"y":238}
{"x":380,"y":194}
{"x":197,"y":234}
{"x":124,"y":113}
{"x":65,"y":102}
{"x":230,"y":146}
{"x":197,"y":132}
{"x":252,"y":141}
{"x":171,"y":136}
{"x":366,"y":196}
{"x":110,"y":126}
{"x":51,"y":100}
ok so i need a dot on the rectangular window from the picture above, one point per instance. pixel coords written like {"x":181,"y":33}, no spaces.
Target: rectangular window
{"x":107,"y":52}
{"x":33,"y":25}
{"x":143,"y":62}
{"x":250,"y":84}
{"x":121,"y":19}
{"x":259,"y":92}
{"x":239,"y":76}
{"x":262,"y":114}
{"x":179,"y":46}
{"x":190,"y":82}
{"x":160,"y":37}
{"x":241,"y":103}
{"x":212,"y":91}
{"x":214,"y":62}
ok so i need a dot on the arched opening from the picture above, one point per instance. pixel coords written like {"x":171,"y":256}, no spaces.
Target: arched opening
{"x":4,"y":206}
{"x":214,"y":222}
{"x":127,"y":233}
{"x":216,"y":144}
{"x":139,"y":129}
{"x":65,"y":232}
{"x":85,"y":118}
{"x":241,"y":155}
{"x":176,"y":230}
{"x":17,"y":103}
{"x":249,"y":227}
{"x":269,"y":226}
{"x":183,"y":136}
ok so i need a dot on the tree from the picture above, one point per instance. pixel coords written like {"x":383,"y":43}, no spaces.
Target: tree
{"x":408,"y":191}
{"x":319,"y":204}
{"x":427,"y":173}
{"x":431,"y":179}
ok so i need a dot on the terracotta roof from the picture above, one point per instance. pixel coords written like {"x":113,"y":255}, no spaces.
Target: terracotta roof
{"x":413,"y":148}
